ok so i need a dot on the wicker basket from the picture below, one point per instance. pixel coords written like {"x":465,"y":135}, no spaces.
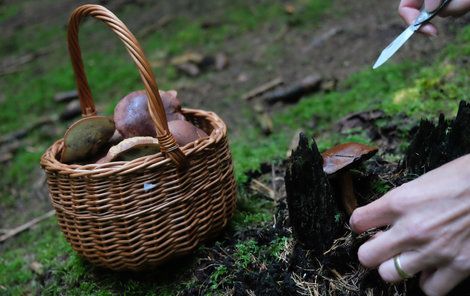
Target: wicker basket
{"x":137,"y":214}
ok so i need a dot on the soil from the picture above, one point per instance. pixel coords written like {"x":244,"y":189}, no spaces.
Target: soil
{"x":346,"y":40}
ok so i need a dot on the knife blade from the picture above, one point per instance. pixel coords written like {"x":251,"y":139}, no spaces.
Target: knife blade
{"x":423,"y":18}
{"x":393,"y":47}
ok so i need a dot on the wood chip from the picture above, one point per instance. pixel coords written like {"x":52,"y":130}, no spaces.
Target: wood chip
{"x":188,"y":57}
{"x":189,"y":69}
{"x":221,"y":61}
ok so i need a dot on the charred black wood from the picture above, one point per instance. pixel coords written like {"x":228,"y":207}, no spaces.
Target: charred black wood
{"x":313,"y":210}
{"x":436,"y":144}
{"x":459,"y":135}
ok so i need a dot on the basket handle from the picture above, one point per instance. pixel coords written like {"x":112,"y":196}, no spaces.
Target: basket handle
{"x":157,"y":112}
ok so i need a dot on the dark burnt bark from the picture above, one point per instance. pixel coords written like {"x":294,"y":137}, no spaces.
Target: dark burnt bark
{"x":436,"y":144}
{"x":313,"y":210}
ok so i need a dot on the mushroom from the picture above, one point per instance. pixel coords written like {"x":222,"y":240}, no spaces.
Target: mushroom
{"x":86,"y":138}
{"x":185,"y":132}
{"x":131,"y":148}
{"x":337,"y":162}
{"x":133,"y":118}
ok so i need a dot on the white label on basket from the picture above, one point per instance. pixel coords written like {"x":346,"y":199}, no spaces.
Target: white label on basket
{"x":149,"y":186}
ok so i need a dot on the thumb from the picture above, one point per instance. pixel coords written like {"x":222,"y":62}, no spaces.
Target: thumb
{"x":431,"y":5}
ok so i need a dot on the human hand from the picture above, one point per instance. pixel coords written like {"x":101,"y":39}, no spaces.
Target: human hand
{"x":410,"y":9}
{"x":430,"y":228}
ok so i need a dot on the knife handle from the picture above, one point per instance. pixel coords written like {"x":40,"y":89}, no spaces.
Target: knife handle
{"x":425,"y":16}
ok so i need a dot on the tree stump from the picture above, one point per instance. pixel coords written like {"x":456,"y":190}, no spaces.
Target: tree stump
{"x":313,"y":210}
{"x":434,"y":145}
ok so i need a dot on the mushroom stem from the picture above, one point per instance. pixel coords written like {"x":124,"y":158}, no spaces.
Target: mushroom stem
{"x":347,"y":192}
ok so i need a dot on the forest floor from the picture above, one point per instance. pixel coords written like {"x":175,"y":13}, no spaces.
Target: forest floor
{"x":260,"y":41}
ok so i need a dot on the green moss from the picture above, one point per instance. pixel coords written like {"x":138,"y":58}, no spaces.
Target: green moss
{"x":219,"y":277}
{"x":246,"y":253}
{"x":278,"y":245}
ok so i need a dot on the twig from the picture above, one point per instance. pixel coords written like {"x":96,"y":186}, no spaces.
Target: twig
{"x":162,"y":22}
{"x":25,"y":226}
{"x":7,"y":151}
{"x":13,"y":65}
{"x":273,"y":181}
{"x":19,"y":134}
{"x":293,"y":92}
{"x":262,"y":189}
{"x":259,"y":90}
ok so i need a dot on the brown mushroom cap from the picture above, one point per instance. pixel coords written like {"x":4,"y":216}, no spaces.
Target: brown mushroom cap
{"x":346,"y":155}
{"x":86,"y":138}
{"x":131,"y":148}
{"x":185,"y":132}
{"x":133,"y":118}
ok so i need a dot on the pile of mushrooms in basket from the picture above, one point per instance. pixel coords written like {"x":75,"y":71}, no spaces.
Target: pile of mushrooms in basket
{"x":129,"y":135}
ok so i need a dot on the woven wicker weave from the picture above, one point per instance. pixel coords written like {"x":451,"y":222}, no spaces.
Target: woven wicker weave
{"x":136,"y":214}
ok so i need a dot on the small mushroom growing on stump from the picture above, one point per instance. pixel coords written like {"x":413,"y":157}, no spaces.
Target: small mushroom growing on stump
{"x":337,"y":163}
{"x":133,"y":118}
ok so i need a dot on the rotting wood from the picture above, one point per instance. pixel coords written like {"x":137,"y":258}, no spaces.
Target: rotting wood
{"x":294,"y":92}
{"x":312,"y":207}
{"x":261,"y":89}
{"x":26,"y":226}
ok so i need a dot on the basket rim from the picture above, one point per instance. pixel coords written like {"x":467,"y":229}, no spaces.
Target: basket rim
{"x":50,"y":161}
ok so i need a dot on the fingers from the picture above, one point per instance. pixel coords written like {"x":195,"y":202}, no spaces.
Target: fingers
{"x":431,"y":5}
{"x":411,"y":262}
{"x":380,"y":248}
{"x":376,"y":214}
{"x":456,"y":8}
{"x":409,"y":11}
{"x":441,"y":281}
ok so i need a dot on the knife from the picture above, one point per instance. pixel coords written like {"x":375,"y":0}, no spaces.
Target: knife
{"x":423,"y":18}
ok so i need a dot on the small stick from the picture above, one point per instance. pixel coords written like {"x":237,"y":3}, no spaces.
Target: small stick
{"x":25,"y":226}
{"x":262,"y":189}
{"x":263,"y":88}
{"x":19,"y":134}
